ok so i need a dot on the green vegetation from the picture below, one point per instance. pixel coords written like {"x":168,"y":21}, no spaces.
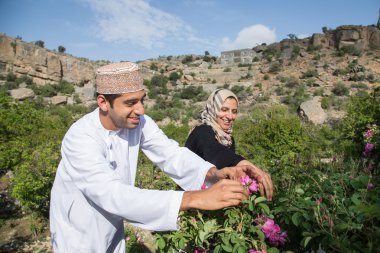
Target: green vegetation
{"x":39,"y":43}
{"x":187,"y":59}
{"x":334,"y":205}
{"x":61,"y":49}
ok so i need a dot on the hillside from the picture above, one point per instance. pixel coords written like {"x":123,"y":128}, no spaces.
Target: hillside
{"x":288,"y":72}
{"x":319,"y":72}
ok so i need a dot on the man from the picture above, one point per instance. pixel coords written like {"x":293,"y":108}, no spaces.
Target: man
{"x":94,"y":191}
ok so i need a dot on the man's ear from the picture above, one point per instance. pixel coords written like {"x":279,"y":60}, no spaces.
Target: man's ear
{"x":102,"y":103}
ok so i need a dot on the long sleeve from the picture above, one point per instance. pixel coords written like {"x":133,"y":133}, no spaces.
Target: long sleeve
{"x":186,"y":168}
{"x":202,"y":142}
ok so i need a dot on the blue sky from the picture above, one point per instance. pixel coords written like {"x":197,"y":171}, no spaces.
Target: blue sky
{"x":121,"y":30}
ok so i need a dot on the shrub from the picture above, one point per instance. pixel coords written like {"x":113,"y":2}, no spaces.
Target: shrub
{"x":351,"y":50}
{"x":39,"y":43}
{"x":228,"y":69}
{"x":11,"y":77}
{"x":193,"y":92}
{"x":359,"y":86}
{"x":318,"y":92}
{"x":33,"y":178}
{"x":24,"y":79}
{"x":187,"y":59}
{"x":61,"y":49}
{"x":361,"y":112}
{"x":47,"y":90}
{"x":291,"y":82}
{"x":64,"y":87}
{"x":276,"y":136}
{"x":275,"y":67}
{"x":309,"y":73}
{"x":340,"y":89}
{"x":325,"y":103}
{"x":158,"y":86}
{"x":241,"y":65}
{"x":295,"y":52}
{"x":340,"y":72}
{"x":312,"y":48}
{"x":280,"y":91}
{"x":153,"y":66}
{"x":259,"y":85}
{"x":240,"y":91}
{"x":174,"y":76}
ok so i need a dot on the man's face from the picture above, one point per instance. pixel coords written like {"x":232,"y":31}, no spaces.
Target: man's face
{"x":126,"y":110}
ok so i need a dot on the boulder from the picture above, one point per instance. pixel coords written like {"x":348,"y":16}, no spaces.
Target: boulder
{"x":312,"y":111}
{"x":22,"y":93}
{"x":59,"y":100}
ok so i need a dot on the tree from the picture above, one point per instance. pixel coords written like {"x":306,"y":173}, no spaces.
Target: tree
{"x":207,"y":53}
{"x":39,"y":43}
{"x":292,"y":36}
{"x":61,"y":49}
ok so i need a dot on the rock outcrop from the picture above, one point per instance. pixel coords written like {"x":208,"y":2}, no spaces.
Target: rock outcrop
{"x":42,"y":65}
{"x":360,"y":37}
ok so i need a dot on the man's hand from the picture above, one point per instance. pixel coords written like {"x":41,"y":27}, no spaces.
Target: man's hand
{"x":222,"y":194}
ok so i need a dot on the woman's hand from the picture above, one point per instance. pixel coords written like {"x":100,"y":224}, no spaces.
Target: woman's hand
{"x":263,"y":178}
{"x":243,"y":168}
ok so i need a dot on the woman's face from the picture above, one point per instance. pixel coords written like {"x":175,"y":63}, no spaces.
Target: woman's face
{"x":227,"y":114}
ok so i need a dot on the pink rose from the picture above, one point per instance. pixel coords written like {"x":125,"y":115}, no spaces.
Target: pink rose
{"x":253,"y":187}
{"x":370,"y":186}
{"x":245,"y":180}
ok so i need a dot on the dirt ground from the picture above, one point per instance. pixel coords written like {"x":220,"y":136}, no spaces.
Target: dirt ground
{"x":23,"y":234}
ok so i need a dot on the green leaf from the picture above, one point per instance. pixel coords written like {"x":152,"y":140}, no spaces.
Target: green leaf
{"x":273,"y":250}
{"x":355,"y":199}
{"x":300,"y":191}
{"x":261,"y":235}
{"x":217,"y":249}
{"x":235,"y":248}
{"x":161,"y":243}
{"x":296,"y":218}
{"x":181,"y":243}
{"x":306,"y":241}
{"x":227,"y":248}
{"x":260,"y":199}
{"x":250,"y":206}
{"x":202,"y":235}
{"x":241,"y":250}
{"x":264,"y":207}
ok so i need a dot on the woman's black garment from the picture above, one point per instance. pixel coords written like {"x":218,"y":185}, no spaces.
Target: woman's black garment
{"x":202,"y":141}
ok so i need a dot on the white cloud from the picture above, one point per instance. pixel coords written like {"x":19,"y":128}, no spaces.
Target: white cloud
{"x":250,"y":37}
{"x":136,"y":21}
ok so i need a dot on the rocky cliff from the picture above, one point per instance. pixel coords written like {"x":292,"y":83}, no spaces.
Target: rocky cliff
{"x":42,"y":65}
{"x":46,"y":66}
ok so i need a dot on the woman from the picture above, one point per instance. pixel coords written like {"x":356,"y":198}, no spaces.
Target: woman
{"x":212,"y":137}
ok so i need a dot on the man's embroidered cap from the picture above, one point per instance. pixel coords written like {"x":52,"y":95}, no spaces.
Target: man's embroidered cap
{"x":119,"y":78}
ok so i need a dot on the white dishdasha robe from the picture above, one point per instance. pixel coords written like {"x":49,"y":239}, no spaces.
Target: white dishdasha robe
{"x":94,"y":190}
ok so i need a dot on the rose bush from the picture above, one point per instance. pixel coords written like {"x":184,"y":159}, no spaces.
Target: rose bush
{"x":248,"y":227}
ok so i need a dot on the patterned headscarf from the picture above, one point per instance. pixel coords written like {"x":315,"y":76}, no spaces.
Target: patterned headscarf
{"x":210,"y":113}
